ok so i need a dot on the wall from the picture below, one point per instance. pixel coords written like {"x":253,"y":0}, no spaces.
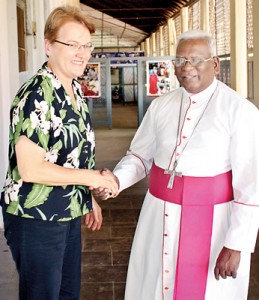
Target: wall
{"x":9,"y":77}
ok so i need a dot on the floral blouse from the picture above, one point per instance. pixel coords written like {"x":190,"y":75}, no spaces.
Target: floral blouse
{"x":44,"y":113}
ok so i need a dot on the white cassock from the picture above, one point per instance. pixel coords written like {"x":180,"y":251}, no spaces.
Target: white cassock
{"x":218,"y":131}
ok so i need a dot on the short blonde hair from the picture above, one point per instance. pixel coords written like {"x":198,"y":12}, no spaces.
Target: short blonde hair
{"x":60,"y":16}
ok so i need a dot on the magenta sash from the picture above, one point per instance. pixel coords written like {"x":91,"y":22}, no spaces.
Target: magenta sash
{"x":197,"y":196}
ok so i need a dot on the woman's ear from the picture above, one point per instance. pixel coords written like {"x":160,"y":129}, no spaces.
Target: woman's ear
{"x":47,"y":45}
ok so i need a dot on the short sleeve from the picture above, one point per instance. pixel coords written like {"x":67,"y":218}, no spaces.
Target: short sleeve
{"x":30,"y":116}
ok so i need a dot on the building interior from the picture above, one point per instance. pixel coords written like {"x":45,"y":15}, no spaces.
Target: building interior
{"x":131,"y":38}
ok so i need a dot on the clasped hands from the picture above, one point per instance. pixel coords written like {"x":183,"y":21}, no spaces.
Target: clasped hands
{"x":107,"y":187}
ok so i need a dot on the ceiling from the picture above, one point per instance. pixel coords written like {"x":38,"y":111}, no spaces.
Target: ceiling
{"x":126,"y":23}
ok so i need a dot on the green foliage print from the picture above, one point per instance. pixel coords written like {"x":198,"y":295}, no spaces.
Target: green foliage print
{"x":38,"y":195}
{"x":76,"y":200}
{"x":75,"y":207}
{"x":47,"y":88}
{"x":14,"y":207}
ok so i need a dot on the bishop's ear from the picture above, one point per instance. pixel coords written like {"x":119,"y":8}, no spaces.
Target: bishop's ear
{"x":216,"y":63}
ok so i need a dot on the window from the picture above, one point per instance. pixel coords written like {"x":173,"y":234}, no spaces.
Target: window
{"x":212,"y":17}
{"x":194,"y":16}
{"x":178,"y":26}
{"x":249,"y":22}
{"x":222,"y":17}
{"x":158,"y":47}
{"x":250,"y":47}
{"x":166,"y":40}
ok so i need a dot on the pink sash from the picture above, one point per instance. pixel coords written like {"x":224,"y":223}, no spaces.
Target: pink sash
{"x":197,"y":195}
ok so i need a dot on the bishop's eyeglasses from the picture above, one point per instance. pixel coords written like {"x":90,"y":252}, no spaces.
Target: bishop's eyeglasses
{"x":194,"y":61}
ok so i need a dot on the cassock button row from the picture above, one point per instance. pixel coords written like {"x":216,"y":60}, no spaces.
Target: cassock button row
{"x":177,"y":154}
{"x":184,"y":137}
{"x":193,"y":102}
{"x":188,"y":119}
{"x":166,"y":215}
{"x":166,"y":271}
{"x":166,"y":288}
{"x":166,"y":253}
{"x":165,"y":234}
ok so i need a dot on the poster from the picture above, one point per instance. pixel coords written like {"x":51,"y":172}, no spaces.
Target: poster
{"x":90,"y":81}
{"x":129,"y":56}
{"x":159,"y":77}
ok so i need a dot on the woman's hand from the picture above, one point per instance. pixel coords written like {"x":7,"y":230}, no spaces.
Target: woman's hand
{"x":94,"y":219}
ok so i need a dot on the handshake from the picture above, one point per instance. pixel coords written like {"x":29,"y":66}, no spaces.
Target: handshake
{"x":107,"y":185}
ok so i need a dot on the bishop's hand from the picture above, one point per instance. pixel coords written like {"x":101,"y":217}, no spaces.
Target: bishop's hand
{"x":227,"y":263}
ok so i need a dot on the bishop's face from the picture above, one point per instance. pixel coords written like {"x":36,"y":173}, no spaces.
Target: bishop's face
{"x":196,"y":78}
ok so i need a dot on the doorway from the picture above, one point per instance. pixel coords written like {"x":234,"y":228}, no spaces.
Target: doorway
{"x":124,"y":95}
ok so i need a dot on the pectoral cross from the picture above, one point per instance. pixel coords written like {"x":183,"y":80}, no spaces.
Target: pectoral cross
{"x":172,"y":173}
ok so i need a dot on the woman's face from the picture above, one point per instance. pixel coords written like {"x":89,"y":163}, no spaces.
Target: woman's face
{"x":69,"y":62}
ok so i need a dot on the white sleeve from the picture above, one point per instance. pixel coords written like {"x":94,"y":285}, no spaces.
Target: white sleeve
{"x":137,"y":163}
{"x":244,"y":155}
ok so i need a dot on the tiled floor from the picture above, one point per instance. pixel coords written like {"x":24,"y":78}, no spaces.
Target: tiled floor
{"x":105,"y":253}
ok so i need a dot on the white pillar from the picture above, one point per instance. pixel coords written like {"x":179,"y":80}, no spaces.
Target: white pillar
{"x":153,"y":40}
{"x":162,"y":45}
{"x":142,"y":47}
{"x":238,"y":63}
{"x":9,"y":78}
{"x":171,"y":41}
{"x":39,"y":19}
{"x":147,"y":47}
{"x":174,"y":38}
{"x":204,"y":15}
{"x":184,"y":19}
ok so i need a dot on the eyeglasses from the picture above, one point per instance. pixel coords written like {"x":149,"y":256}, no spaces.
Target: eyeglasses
{"x":76,"y":46}
{"x":194,"y":61}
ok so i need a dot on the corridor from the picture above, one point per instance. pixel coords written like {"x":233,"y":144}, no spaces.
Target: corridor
{"x":105,"y":253}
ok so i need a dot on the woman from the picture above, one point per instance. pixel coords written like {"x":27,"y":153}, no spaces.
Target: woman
{"x":51,"y":161}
